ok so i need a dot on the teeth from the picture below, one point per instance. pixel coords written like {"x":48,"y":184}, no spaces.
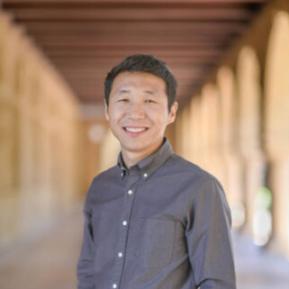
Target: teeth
{"x":135,"y":129}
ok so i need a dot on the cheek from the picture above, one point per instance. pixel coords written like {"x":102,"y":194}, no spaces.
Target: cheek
{"x":159,"y":118}
{"x":114,"y":114}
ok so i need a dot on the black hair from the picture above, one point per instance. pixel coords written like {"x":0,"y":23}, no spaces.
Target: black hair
{"x":143,"y":63}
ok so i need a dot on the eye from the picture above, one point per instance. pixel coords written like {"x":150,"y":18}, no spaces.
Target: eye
{"x":122,"y":100}
{"x":149,"y":100}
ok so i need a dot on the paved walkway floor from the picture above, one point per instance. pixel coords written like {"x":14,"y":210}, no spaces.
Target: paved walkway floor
{"x":50,"y":261}
{"x":257,"y":268}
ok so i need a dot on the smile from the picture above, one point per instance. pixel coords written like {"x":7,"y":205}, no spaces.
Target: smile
{"x":134,"y":131}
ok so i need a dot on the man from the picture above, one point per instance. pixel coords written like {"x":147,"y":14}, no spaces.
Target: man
{"x":155,"y":220}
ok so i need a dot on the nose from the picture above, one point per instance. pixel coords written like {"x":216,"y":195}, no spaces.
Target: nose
{"x":136,"y":111}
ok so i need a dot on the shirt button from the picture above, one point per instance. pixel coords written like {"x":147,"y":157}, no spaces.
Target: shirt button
{"x":124,"y":223}
{"x":114,"y":285}
{"x":145,"y":175}
{"x":119,"y":254}
{"x":130,"y":192}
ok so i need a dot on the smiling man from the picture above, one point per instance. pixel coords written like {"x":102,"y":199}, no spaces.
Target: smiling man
{"x":154,"y":220}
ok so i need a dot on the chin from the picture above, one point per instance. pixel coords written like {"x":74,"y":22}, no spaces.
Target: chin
{"x":134,"y":147}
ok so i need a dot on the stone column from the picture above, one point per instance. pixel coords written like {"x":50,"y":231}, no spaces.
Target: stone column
{"x":9,"y":182}
{"x":187,"y":132}
{"x":229,"y":144}
{"x":179,"y":132}
{"x":211,"y":110}
{"x":249,"y":104}
{"x":277,"y":126}
{"x":195,"y":130}
{"x":204,"y":128}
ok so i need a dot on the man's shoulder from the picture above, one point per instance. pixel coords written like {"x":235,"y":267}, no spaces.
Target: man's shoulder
{"x":194,"y":175}
{"x":178,"y":164}
{"x":107,"y":175}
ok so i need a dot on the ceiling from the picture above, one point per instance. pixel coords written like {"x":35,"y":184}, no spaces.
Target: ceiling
{"x":85,"y":38}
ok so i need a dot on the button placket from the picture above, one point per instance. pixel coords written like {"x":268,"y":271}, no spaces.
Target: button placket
{"x":130,"y":192}
{"x":124,"y":228}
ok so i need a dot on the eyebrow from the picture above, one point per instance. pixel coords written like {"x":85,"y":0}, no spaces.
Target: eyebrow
{"x":123,"y":90}
{"x":150,"y":91}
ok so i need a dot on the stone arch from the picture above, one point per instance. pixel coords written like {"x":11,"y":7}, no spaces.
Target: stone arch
{"x":195,"y":128}
{"x":250,"y":137}
{"x":277,"y":88}
{"x":226,"y":84}
{"x":231,"y":158}
{"x":210,"y":110}
{"x":276,"y":129}
{"x":249,"y":92}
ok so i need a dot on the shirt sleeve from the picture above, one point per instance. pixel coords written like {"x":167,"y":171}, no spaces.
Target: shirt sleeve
{"x":85,"y":273}
{"x":208,"y":238}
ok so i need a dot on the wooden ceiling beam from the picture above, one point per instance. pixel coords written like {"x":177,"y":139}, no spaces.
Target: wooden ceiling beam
{"x":170,"y":60}
{"x":129,"y":2}
{"x":103,"y":27}
{"x":106,"y":56}
{"x":113,"y":43}
{"x":129,"y":40}
{"x":96,"y":56}
{"x":85,"y":38}
{"x":99,"y":69}
{"x":131,"y":14}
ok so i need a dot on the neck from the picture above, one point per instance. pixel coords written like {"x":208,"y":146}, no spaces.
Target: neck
{"x":131,"y":158}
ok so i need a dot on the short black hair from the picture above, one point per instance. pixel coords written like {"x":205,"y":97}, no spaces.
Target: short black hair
{"x":143,"y":63}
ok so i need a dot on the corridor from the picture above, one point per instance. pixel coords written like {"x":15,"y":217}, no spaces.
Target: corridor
{"x":231,"y":63}
{"x":49,"y":261}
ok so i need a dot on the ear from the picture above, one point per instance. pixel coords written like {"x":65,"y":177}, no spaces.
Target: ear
{"x":173,"y":112}
{"x":106,"y":114}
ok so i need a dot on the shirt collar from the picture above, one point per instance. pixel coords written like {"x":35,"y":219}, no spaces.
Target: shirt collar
{"x":149,"y":164}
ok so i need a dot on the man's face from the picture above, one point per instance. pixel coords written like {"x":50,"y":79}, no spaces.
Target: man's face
{"x":138,"y":111}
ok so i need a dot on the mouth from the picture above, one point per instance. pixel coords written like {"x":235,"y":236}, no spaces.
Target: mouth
{"x":135,"y":131}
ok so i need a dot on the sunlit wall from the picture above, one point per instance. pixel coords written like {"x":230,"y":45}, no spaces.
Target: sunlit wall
{"x":39,"y":133}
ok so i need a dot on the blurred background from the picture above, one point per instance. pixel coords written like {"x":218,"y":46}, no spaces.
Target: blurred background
{"x":231,"y":60}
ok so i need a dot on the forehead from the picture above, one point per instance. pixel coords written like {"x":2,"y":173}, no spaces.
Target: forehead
{"x":138,"y":79}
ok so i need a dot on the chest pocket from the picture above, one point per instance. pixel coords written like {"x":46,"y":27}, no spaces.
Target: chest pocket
{"x":159,"y":241}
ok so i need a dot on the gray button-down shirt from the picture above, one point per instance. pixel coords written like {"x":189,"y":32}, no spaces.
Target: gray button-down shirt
{"x":162,"y":224}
